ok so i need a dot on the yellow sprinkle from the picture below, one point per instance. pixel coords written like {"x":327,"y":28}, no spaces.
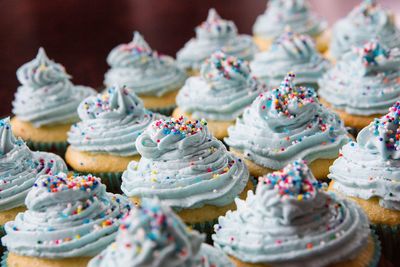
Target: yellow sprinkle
{"x":153,"y":179}
{"x":77,"y":237}
{"x":300,"y":197}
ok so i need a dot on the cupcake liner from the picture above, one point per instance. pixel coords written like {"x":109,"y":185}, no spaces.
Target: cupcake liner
{"x":4,"y":259}
{"x":2,"y":233}
{"x":377,"y":251}
{"x":58,"y":148}
{"x":112,"y":180}
{"x":167,"y":111}
{"x":389,"y":236}
{"x":204,"y":227}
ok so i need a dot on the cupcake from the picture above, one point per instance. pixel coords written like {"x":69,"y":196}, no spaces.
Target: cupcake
{"x":368,"y":172}
{"x":45,"y":104}
{"x":290,"y":52}
{"x":19,"y":169}
{"x":155,"y":78}
{"x":187,"y":169}
{"x":363,"y":84}
{"x":152,"y":235}
{"x":103,"y":143}
{"x":295,"y":14}
{"x":220,"y":94}
{"x":285,"y":124}
{"x":69,"y":220}
{"x":367,"y":20}
{"x":292,"y":221}
{"x":211,"y":35}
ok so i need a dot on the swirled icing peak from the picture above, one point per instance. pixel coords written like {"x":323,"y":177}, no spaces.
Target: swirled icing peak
{"x":289,"y":52}
{"x":216,"y":27}
{"x":365,"y":81}
{"x":292,"y":221}
{"x":47,"y":96}
{"x":111,"y":122}
{"x":283,"y":13}
{"x":367,"y":20}
{"x":152,"y":235}
{"x":184,"y":166}
{"x":285,"y":124}
{"x":67,"y":216}
{"x":19,"y":167}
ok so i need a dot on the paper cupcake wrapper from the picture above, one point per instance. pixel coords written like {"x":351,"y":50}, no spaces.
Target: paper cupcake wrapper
{"x":167,"y":111}
{"x":204,"y":227}
{"x":2,"y":233}
{"x":58,"y":148}
{"x":4,"y":259}
{"x":377,"y":252}
{"x":112,"y":180}
{"x":389,"y":236}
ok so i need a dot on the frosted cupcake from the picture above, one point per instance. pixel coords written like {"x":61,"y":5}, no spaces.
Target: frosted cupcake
{"x":363,"y":84}
{"x":103,"y":143}
{"x":295,"y":14}
{"x":69,"y":220}
{"x":155,"y":78}
{"x":285,"y":124}
{"x":212,"y":35}
{"x":292,"y":221}
{"x":290,"y":52}
{"x":187,"y":169}
{"x":45,"y":104}
{"x":367,"y":20}
{"x":220,"y":94}
{"x":369,"y":173}
{"x":152,"y":235}
{"x":19,"y":169}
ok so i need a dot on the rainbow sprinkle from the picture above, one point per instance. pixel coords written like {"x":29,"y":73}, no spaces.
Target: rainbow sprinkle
{"x":180,"y":126}
{"x":62,"y":182}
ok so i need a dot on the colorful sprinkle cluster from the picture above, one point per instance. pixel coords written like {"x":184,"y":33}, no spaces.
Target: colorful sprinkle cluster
{"x":287,"y":94}
{"x":180,"y":126}
{"x":222,"y":65}
{"x":387,"y":128}
{"x":61,"y":182}
{"x":292,"y":182}
{"x":372,"y":53}
{"x":214,"y":21}
{"x":138,"y":47}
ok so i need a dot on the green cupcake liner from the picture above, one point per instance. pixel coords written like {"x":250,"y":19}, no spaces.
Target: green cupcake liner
{"x":2,"y":233}
{"x":206,"y":228}
{"x":377,"y":251}
{"x":58,"y":148}
{"x":112,"y":180}
{"x":167,"y":111}
{"x":4,"y":259}
{"x":389,"y":236}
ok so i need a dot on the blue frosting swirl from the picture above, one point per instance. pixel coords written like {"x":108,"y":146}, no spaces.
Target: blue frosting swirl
{"x":152,"y":235}
{"x":184,"y":166}
{"x":285,"y":124}
{"x":67,"y":216}
{"x":137,"y":66}
{"x":290,"y":52}
{"x":224,"y":88}
{"x":19,"y":167}
{"x":111,"y":123}
{"x":46,"y":95}
{"x":371,"y":167}
{"x":365,"y":81}
{"x":293,"y":13}
{"x":365,"y":21}
{"x":212,"y":35}
{"x":292,"y":221}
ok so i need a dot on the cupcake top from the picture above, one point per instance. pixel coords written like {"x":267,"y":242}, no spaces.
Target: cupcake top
{"x":290,"y":52}
{"x":285,"y":124}
{"x":67,"y":216}
{"x":293,"y":13}
{"x":211,"y":35}
{"x":365,"y":81}
{"x":137,"y":66}
{"x":20,"y":167}
{"x":184,"y":166}
{"x":367,"y":20}
{"x":47,"y":95}
{"x":111,"y":123}
{"x":292,"y":221}
{"x":152,"y":235}
{"x":222,"y":91}
{"x":371,"y":167}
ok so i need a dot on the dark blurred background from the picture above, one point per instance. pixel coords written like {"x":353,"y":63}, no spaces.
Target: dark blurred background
{"x":80,"y":33}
